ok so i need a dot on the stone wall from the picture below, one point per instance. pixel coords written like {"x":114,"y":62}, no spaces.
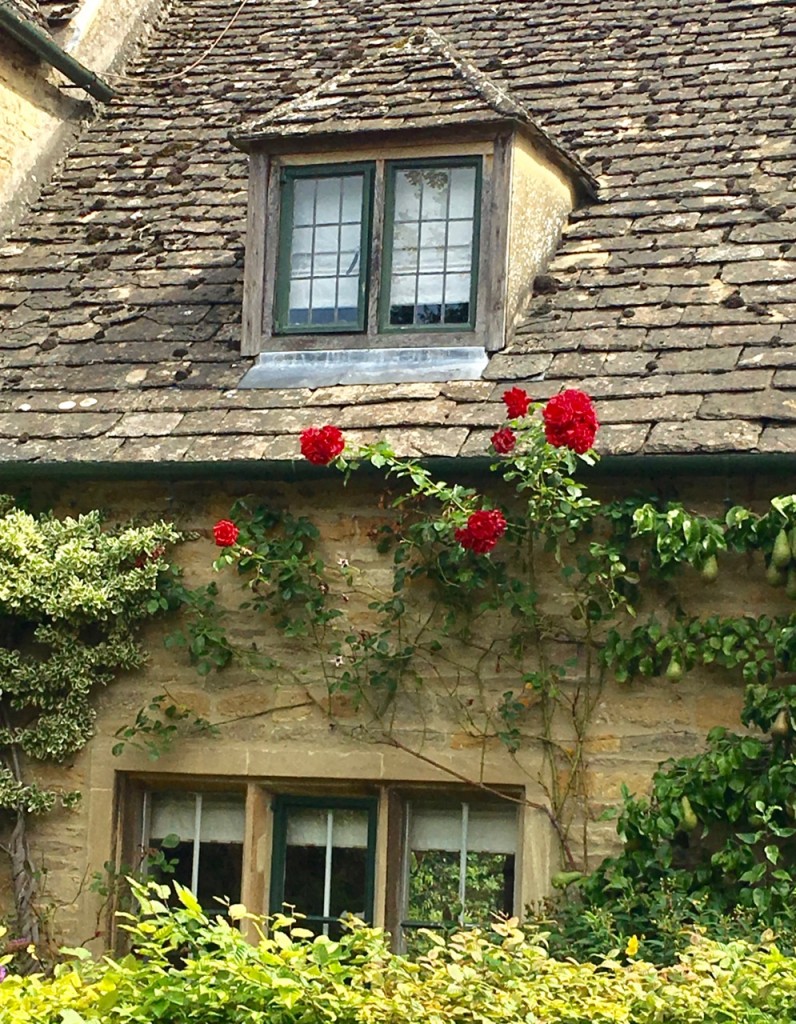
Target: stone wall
{"x":282,"y":729}
{"x":40,"y":112}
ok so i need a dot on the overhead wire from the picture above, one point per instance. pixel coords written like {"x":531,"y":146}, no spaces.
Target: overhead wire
{"x":191,"y":67}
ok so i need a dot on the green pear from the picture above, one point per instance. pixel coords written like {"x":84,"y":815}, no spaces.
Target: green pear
{"x":674,"y":670}
{"x":780,"y":553}
{"x":689,"y":818}
{"x":776,"y":576}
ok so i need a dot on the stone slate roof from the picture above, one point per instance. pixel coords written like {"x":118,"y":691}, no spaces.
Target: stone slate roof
{"x":673,"y":300}
{"x":44,"y":13}
{"x":27,"y":9}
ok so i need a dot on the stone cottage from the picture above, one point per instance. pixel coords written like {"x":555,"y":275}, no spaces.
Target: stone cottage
{"x":325,"y":211}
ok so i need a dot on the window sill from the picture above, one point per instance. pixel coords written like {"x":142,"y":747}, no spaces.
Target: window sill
{"x":326,"y":367}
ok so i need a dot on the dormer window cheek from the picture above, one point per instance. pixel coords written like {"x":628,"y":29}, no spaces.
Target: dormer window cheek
{"x":418,"y":261}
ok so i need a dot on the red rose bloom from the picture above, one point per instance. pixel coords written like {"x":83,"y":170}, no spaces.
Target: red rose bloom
{"x":483,"y":530}
{"x":517,"y":401}
{"x":320,"y":445}
{"x":570,"y":421}
{"x":225,"y":533}
{"x":503,"y":441}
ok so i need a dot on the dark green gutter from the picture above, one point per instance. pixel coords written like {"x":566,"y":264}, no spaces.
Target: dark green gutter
{"x":657,"y":466}
{"x":31,"y":37}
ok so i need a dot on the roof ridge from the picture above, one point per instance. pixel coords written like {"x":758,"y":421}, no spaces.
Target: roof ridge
{"x":494,"y":95}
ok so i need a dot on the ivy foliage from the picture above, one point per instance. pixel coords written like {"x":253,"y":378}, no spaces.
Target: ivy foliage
{"x":74,"y":594}
{"x":189,"y":968}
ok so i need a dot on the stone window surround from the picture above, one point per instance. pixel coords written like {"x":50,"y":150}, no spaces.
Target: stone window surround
{"x":261,"y":828}
{"x":262,"y":244}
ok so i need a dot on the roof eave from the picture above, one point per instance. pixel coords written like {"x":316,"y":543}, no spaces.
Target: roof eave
{"x":32,"y":38}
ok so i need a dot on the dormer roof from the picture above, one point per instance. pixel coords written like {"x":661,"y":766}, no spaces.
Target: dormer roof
{"x":421,"y":82}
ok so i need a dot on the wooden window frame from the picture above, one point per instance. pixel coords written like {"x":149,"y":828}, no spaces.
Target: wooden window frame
{"x":388,"y":185}
{"x":264,"y":238}
{"x":466,"y":802}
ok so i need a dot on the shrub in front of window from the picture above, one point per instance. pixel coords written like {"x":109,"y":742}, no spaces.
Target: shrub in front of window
{"x":190,"y":967}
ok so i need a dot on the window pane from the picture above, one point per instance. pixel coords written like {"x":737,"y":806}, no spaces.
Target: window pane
{"x":326,"y":861}
{"x":489,"y":887}
{"x":302,"y":240}
{"x":347,"y":294}
{"x":304,"y":201}
{"x":433,"y":235}
{"x":403,"y":289}
{"x":325,"y":246}
{"x":326,"y":240}
{"x":327,"y":201}
{"x":299,"y":301}
{"x":352,"y":199}
{"x":462,"y":192}
{"x":349,"y":238}
{"x":301,"y":263}
{"x":433,"y":887}
{"x":324,"y":291}
{"x":460,"y":232}
{"x":216,"y":863}
{"x":429,"y":288}
{"x":457,"y":287}
{"x":459,"y":260}
{"x":460,"y":863}
{"x":435,"y":193}
{"x":408,"y":187}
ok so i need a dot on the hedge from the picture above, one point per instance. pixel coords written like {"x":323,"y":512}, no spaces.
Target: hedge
{"x":188,"y":968}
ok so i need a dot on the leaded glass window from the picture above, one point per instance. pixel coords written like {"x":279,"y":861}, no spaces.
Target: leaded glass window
{"x":423,"y":277}
{"x":431,"y":229}
{"x":323,"y":258}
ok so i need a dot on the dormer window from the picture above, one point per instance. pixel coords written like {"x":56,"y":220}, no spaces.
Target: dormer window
{"x":398,"y":215}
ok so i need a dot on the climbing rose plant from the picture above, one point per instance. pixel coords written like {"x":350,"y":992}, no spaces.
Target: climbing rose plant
{"x":321,"y":445}
{"x":570,"y":422}
{"x":543,"y":593}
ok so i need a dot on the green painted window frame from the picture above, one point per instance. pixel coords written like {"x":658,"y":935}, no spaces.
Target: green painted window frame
{"x":288,"y":175}
{"x":281,"y":807}
{"x":390,"y":167}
